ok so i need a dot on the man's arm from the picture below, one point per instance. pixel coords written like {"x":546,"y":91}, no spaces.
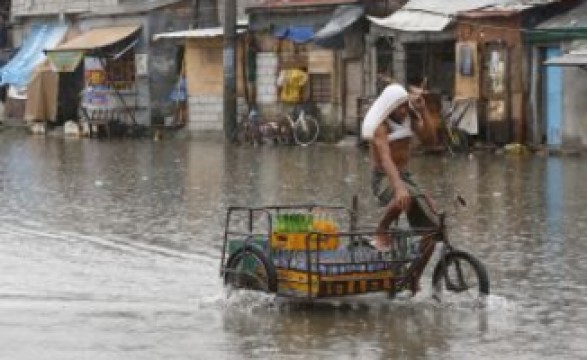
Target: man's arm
{"x":380,"y":142}
{"x":422,"y":121}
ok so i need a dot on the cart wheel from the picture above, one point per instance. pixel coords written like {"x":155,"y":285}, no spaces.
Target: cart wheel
{"x":249,"y":268}
{"x":461,"y":274}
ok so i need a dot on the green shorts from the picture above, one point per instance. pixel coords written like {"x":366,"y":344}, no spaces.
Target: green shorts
{"x":420,"y":213}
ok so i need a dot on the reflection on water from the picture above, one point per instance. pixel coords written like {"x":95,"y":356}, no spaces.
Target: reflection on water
{"x":110,"y":250}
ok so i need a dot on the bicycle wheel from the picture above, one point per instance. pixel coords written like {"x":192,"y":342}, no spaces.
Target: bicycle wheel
{"x":460,"y":141}
{"x":249,"y":268}
{"x":462,"y":275}
{"x":305,"y":130}
{"x":238,"y":135}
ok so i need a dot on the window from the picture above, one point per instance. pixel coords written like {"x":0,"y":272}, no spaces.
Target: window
{"x":121,"y":72}
{"x":321,"y":88}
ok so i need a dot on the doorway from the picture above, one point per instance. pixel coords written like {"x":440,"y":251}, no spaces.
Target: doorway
{"x":553,"y":102}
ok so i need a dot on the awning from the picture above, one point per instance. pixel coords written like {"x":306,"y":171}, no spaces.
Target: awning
{"x":193,"y":34}
{"x":343,"y":17}
{"x":66,"y":57}
{"x":573,"y":58}
{"x":429,"y":15}
{"x":19,"y":69}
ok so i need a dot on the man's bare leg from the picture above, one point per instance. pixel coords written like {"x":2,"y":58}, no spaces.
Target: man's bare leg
{"x":383,"y":240}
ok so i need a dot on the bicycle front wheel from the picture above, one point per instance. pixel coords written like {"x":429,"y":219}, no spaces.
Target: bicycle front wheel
{"x":460,"y":275}
{"x":306,"y":130}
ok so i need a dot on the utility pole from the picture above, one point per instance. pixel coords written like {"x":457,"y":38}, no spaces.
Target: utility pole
{"x":229,"y":68}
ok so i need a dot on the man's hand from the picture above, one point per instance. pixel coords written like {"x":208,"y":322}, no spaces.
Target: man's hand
{"x":402,"y":197}
{"x":417,"y":101}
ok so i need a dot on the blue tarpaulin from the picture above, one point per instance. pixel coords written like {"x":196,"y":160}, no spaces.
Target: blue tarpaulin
{"x":19,"y":69}
{"x":297,"y":34}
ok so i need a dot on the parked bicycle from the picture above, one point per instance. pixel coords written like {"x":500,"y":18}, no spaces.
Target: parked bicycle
{"x":298,"y":127}
{"x":248,"y":129}
{"x":303,"y":128}
{"x":455,"y":139}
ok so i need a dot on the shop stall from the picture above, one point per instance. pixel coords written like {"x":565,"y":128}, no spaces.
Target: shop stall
{"x":109,"y":91}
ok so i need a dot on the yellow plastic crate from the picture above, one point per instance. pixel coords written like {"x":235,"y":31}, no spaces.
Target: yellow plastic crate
{"x":295,"y":283}
{"x":298,"y":241}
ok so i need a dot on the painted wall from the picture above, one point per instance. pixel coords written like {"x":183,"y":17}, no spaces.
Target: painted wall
{"x":574,"y":132}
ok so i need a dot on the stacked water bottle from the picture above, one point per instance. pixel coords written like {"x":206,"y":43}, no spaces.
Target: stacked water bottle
{"x":339,"y":262}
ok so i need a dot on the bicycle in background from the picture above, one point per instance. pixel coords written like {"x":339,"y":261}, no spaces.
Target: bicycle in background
{"x":303,"y":127}
{"x":455,"y":139}
{"x":247,"y":130}
{"x":298,"y":127}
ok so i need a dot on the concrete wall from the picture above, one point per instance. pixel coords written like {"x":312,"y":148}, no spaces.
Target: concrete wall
{"x":205,"y":113}
{"x":241,"y":5}
{"x":33,"y":7}
{"x":267,"y":71}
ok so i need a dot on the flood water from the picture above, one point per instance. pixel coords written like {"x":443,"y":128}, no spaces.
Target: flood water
{"x":111,"y":250}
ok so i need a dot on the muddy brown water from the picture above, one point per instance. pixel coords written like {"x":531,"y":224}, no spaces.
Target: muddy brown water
{"x":111,"y":249}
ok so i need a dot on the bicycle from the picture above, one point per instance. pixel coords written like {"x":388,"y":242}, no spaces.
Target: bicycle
{"x":299,"y":264}
{"x":302,"y":127}
{"x":247,"y":130}
{"x":455,"y":139}
{"x":253,"y":130}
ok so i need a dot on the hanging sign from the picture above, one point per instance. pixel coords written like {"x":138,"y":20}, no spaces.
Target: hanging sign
{"x":65,"y":61}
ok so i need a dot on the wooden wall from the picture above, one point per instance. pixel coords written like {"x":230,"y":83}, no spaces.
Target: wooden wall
{"x":205,"y":67}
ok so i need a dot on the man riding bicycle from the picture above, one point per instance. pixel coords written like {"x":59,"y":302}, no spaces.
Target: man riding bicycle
{"x":389,"y":125}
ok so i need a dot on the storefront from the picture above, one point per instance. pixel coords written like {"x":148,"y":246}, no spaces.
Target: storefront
{"x":292,"y":68}
{"x":107,"y":68}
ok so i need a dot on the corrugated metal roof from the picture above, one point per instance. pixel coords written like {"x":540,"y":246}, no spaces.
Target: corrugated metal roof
{"x":575,"y":18}
{"x":428,"y":15}
{"x":130,"y":8}
{"x":276,"y":4}
{"x":436,"y":15}
{"x":193,"y":34}
{"x":447,"y":7}
{"x":507,"y":7}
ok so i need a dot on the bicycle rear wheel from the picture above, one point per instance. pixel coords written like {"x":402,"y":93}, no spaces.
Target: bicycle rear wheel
{"x":249,"y":268}
{"x":306,"y":130}
{"x":461,"y":275}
